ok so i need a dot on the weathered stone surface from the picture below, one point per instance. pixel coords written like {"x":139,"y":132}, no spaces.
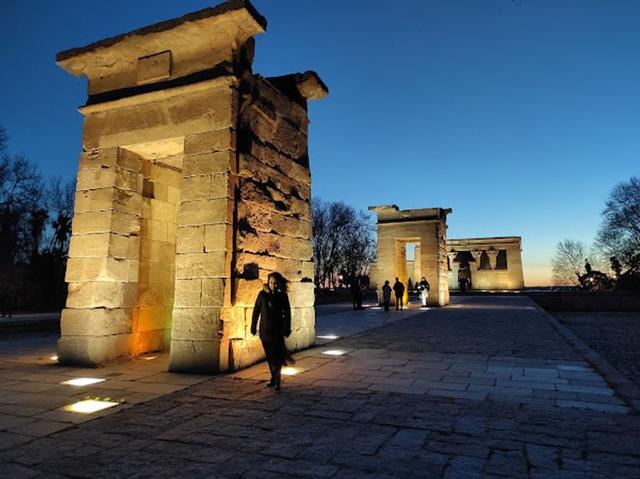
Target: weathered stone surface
{"x":100,"y":245}
{"x":207,"y":163}
{"x":251,"y":167}
{"x":210,"y":141}
{"x":102,"y":294}
{"x":97,"y":269}
{"x":200,"y":324}
{"x":269,"y":220}
{"x":203,"y":212}
{"x":276,"y":245}
{"x":100,"y":322}
{"x":277,"y":160}
{"x":201,"y":265}
{"x":267,"y":196}
{"x":93,"y":350}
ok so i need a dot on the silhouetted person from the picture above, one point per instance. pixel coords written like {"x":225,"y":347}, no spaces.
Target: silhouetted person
{"x":274,"y":312}
{"x":386,"y":295}
{"x":410,"y":285}
{"x":424,"y":291}
{"x":398,"y":289}
{"x":462,"y":282}
{"x":356,"y":292}
{"x":587,"y":266}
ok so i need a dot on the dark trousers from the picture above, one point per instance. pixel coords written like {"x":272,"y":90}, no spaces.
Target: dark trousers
{"x":386,"y":304}
{"x":398,"y":302}
{"x":275,"y":352}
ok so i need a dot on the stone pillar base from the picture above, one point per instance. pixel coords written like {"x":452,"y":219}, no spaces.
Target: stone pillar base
{"x":93,"y":351}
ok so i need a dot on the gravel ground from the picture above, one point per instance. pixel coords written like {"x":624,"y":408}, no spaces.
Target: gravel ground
{"x":616,"y":336}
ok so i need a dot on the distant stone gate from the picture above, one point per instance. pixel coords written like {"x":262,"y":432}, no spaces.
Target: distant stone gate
{"x":193,"y":185}
{"x":426,"y":229}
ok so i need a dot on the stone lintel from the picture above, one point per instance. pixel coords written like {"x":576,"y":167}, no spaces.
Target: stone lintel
{"x":158,"y":28}
{"x":208,"y":42}
{"x":392,"y":214}
{"x":495,"y":242}
{"x":151,"y":95}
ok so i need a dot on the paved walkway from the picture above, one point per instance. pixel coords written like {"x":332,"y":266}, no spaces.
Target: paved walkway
{"x":483,"y":388}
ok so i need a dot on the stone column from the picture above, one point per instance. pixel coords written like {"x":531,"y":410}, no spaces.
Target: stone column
{"x":401,"y":268}
{"x":493,"y":258}
{"x":477,"y":257}
{"x":203,"y":249}
{"x":453,"y":270}
{"x":417,"y":271}
{"x":102,"y":269}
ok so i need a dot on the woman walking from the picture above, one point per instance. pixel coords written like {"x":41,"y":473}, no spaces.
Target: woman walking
{"x":273,"y":310}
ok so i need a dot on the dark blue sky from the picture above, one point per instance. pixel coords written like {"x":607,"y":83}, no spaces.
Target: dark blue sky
{"x":520,"y":115}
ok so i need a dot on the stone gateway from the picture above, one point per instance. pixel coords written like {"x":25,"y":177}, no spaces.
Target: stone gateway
{"x":193,"y":185}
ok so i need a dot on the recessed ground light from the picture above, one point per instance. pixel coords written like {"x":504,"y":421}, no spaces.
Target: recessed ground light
{"x":54,"y":357}
{"x":376,"y":307}
{"x":290,"y":371}
{"x":89,"y":406}
{"x":82,"y":381}
{"x":149,"y":358}
{"x":334,"y":352}
{"x":328,"y":336}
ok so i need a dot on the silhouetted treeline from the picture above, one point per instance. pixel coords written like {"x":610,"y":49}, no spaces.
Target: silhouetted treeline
{"x":343,"y":242}
{"x":35,"y":226}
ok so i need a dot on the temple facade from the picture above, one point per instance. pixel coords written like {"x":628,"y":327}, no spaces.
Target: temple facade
{"x":485,"y":264}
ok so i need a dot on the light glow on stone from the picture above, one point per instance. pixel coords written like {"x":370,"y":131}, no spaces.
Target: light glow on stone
{"x":334,"y":352}
{"x":328,"y":336}
{"x":54,"y":357}
{"x":290,"y":371}
{"x":89,"y":406}
{"x":82,"y":381}
{"x":149,"y":358}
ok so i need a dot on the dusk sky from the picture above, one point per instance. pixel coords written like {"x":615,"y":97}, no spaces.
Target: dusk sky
{"x":520,"y":115}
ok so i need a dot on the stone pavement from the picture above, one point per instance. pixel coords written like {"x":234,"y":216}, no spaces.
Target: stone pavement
{"x":483,"y":388}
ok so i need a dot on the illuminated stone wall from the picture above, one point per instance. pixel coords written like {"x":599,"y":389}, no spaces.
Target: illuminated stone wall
{"x":193,"y":185}
{"x":425,"y":227}
{"x":494,"y":263}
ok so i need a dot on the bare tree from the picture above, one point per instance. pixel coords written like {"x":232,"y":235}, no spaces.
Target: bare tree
{"x":20,"y":194}
{"x":342,"y":240}
{"x":619,"y":233}
{"x":568,"y":262}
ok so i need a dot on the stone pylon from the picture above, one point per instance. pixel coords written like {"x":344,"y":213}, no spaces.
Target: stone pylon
{"x":427,"y":229}
{"x":193,"y":186}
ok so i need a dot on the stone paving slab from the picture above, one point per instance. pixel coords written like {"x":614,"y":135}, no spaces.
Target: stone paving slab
{"x":471,"y":391}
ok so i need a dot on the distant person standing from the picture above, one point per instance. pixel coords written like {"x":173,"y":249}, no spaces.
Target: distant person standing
{"x":398,"y":289}
{"x":462,"y":282}
{"x":386,"y":295}
{"x":424,"y":291}
{"x":356,"y":292}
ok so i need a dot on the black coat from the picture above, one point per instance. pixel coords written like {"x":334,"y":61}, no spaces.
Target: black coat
{"x":274,"y":312}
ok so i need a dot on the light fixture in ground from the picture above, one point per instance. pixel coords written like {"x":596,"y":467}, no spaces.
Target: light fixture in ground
{"x":334,"y":352}
{"x":89,"y":406}
{"x":328,"y":336}
{"x":54,"y":357}
{"x":83,"y":381}
{"x":290,"y":371}
{"x":149,"y":358}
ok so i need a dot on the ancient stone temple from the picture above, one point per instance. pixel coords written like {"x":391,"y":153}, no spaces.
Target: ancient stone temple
{"x":486,"y":263}
{"x":426,"y":230}
{"x":192,"y":186}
